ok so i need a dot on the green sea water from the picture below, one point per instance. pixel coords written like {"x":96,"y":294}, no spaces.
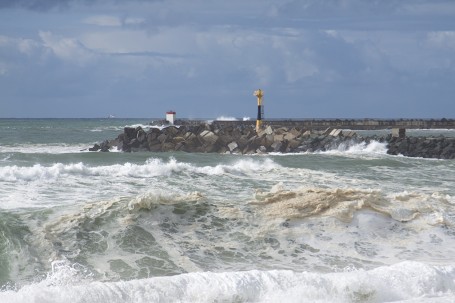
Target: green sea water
{"x":337,"y":226}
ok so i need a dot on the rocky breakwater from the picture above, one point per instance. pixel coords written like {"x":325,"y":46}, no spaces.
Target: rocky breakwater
{"x":424,"y":147}
{"x":242,"y":139}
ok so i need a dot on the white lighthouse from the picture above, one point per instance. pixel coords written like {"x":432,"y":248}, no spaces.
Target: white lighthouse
{"x":170,"y":117}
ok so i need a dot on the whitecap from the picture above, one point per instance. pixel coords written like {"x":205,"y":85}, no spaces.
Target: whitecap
{"x":405,"y":282}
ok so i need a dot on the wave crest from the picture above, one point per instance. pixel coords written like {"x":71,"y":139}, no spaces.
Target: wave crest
{"x":342,"y":203}
{"x":151,"y":168}
{"x":151,"y":200}
{"x":412,"y":281}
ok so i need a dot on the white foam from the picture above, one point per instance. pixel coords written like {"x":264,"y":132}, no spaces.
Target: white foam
{"x":151,"y":168}
{"x":226,"y":118}
{"x":151,"y":199}
{"x":44,"y":148}
{"x":405,"y":282}
{"x":121,"y":128}
{"x":372,"y":148}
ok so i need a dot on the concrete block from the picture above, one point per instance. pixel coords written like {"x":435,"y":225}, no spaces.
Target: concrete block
{"x":277,"y":146}
{"x":209,"y":137}
{"x":349,"y":134}
{"x":232,"y":146}
{"x":289,"y":136}
{"x":278,"y":138}
{"x":327,"y":131}
{"x":306,"y":134}
{"x":204,"y":133}
{"x":261,"y":150}
{"x":162,"y":138}
{"x":336,"y":132}
{"x":399,"y":132}
{"x":268,"y":130}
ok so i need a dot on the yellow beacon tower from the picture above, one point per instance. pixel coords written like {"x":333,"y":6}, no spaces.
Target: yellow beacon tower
{"x":259,"y":94}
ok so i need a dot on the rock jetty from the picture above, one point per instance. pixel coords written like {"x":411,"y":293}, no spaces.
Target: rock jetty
{"x":243,"y":139}
{"x":424,"y":147}
{"x":208,"y":138}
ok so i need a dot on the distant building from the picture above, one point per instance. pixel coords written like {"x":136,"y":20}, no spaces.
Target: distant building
{"x":170,"y":117}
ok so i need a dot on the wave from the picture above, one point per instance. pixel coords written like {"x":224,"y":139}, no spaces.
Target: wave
{"x":121,"y":128}
{"x":151,"y":168}
{"x":45,"y":148}
{"x":350,"y":148}
{"x":405,"y":282}
{"x":152,"y":199}
{"x":343,"y":203}
{"x":226,"y":118}
{"x":229,"y":118}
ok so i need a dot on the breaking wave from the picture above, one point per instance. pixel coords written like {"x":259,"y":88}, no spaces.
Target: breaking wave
{"x":352,"y":148}
{"x":226,"y":118}
{"x":412,"y":282}
{"x":343,"y":204}
{"x":151,"y":168}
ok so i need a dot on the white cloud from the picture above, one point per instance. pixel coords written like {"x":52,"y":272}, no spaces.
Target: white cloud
{"x":28,"y":46}
{"x":68,"y":49}
{"x":442,"y":39}
{"x":208,"y":46}
{"x":133,"y":21}
{"x":103,"y":20}
{"x":177,"y":41}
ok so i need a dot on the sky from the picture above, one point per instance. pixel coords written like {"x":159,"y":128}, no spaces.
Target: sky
{"x":205,"y":58}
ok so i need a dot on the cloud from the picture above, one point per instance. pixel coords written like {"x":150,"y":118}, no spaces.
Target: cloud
{"x":442,"y":39}
{"x":308,"y":55}
{"x":39,"y":5}
{"x":16,"y":52}
{"x":68,"y":49}
{"x":103,"y":20}
{"x":47,"y":5}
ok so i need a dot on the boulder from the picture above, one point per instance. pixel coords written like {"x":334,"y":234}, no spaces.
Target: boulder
{"x":232,"y":146}
{"x":162,"y":138}
{"x":276,"y":146}
{"x":289,"y":136}
{"x":293,"y":144}
{"x":171,"y":131}
{"x":278,"y":138}
{"x":177,"y":140}
{"x":105,"y":146}
{"x":296,"y":132}
{"x":261,"y":150}
{"x":306,"y":134}
{"x":95,"y":147}
{"x":208,"y":137}
{"x":168,"y":146}
{"x":336,"y":132}
{"x":141,"y":136}
{"x":151,"y":136}
{"x":130,"y":133}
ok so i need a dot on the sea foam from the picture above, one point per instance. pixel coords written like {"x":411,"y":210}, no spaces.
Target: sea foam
{"x":405,"y":282}
{"x":151,"y":168}
{"x":372,"y":148}
{"x":343,"y":203}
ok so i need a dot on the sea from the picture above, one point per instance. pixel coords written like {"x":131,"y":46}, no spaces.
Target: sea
{"x":352,"y":224}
